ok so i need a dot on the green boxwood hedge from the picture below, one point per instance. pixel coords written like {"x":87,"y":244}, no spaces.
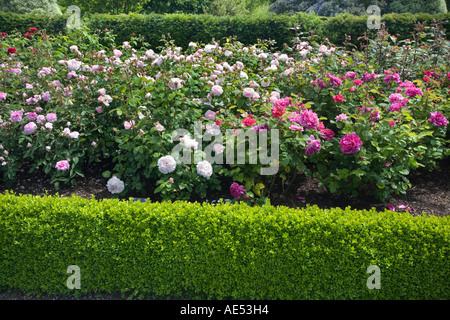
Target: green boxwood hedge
{"x":202,"y":251}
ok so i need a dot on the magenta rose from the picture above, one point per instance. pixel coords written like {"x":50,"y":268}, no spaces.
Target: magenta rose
{"x":309,"y":119}
{"x":350,"y":143}
{"x":438,"y":119}
{"x":313,"y":146}
{"x":237,"y":190}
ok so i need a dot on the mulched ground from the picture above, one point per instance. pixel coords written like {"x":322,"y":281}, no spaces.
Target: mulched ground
{"x":430,"y":193}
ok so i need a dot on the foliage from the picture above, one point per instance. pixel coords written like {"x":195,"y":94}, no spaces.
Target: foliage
{"x":335,"y":7}
{"x":226,"y":8}
{"x":418,"y":6}
{"x":104,"y":6}
{"x":165,"y":250}
{"x":49,"y":7}
{"x":80,"y":77}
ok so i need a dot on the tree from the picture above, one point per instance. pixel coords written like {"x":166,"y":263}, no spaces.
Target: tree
{"x":30,"y":6}
{"x":105,"y":6}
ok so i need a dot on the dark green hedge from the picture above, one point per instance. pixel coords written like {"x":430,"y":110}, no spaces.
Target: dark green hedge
{"x":10,"y":22}
{"x":403,"y":24}
{"x":184,"y":28}
{"x":226,"y":251}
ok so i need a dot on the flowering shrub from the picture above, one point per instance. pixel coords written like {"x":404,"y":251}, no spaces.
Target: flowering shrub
{"x":165,"y":118}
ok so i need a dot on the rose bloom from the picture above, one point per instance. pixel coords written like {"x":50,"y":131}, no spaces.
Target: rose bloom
{"x":395,"y":107}
{"x":40,"y":119}
{"x":413,"y":91}
{"x":237,"y":190}
{"x":51,"y":117}
{"x":30,"y":127}
{"x":249,"y":121}
{"x":46,"y":96}
{"x":32,"y":116}
{"x":3,"y":96}
{"x":204,"y":168}
{"x":296,"y":127}
{"x":341,"y":116}
{"x":101,"y":91}
{"x":74,"y":134}
{"x":309,"y":119}
{"x":338,"y":98}
{"x":175,"y":83}
{"x":351,"y":75}
{"x":167,"y":164}
{"x":327,"y":134}
{"x":128,"y":124}
{"x":11,"y":51}
{"x":115,"y":185}
{"x":438,"y":119}
{"x":248,"y":92}
{"x":216,"y":90}
{"x":62,"y":165}
{"x":391,"y":123}
{"x":278,"y":111}
{"x":350,"y":143}
{"x":358,"y":82}
{"x":395,"y":97}
{"x":16,"y":116}
{"x":159,"y":127}
{"x":313,"y":146}
{"x":210,"y":114}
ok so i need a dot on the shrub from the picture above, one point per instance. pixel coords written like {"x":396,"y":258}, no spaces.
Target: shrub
{"x":35,"y":6}
{"x":219,"y":252}
{"x":10,"y":22}
{"x":418,"y":6}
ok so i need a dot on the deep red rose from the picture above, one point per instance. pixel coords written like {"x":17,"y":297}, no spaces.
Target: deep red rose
{"x":28,"y":35}
{"x":11,"y":50}
{"x":32,"y":30}
{"x":4,"y":34}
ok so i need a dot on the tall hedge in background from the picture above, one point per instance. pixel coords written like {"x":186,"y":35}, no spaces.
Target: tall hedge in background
{"x":52,"y":24}
{"x":185,"y":28}
{"x":30,"y":6}
{"x":402,"y":24}
{"x":417,"y":6}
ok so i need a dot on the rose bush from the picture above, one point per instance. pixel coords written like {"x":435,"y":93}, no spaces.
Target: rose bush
{"x":171,"y":118}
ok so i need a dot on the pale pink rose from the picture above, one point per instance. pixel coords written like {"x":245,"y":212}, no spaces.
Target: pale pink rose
{"x":210,"y":114}
{"x":62,"y":165}
{"x":30,"y":127}
{"x":175,"y":83}
{"x":216,"y":90}
{"x":51,"y":117}
{"x":159,"y":127}
{"x":248,"y":92}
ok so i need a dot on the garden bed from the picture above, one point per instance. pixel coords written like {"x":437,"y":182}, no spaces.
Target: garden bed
{"x":429,"y":193}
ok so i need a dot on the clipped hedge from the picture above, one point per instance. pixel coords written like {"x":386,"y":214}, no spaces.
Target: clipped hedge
{"x":403,"y":24}
{"x":184,"y":28}
{"x":233,"y":251}
{"x":10,"y":22}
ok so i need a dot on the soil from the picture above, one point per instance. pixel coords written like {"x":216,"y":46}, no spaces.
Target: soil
{"x":430,"y":194}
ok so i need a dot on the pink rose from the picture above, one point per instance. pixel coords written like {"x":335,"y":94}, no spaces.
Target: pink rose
{"x":350,"y":143}
{"x":62,"y":165}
